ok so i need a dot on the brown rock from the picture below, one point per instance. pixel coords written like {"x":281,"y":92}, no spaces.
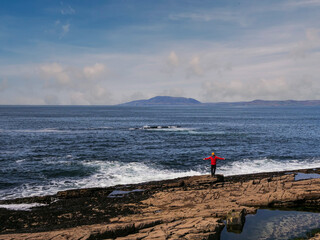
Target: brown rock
{"x":236,"y":220}
{"x":185,"y":208}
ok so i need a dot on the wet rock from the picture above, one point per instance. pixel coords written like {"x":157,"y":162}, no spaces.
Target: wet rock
{"x":236,"y":220}
{"x":184,"y":208}
{"x":88,"y":192}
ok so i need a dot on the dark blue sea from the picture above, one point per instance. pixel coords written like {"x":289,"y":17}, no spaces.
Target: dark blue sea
{"x":45,"y":149}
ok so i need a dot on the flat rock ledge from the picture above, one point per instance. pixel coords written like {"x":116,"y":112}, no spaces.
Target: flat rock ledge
{"x":183,"y":208}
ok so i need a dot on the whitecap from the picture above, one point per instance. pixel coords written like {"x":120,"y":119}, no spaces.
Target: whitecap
{"x":107,"y":174}
{"x":248,"y":166}
{"x":44,"y":130}
{"x":22,"y":206}
{"x":111,"y":173}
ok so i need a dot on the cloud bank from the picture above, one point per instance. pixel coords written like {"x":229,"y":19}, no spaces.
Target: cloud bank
{"x":113,"y":52}
{"x":85,"y":85}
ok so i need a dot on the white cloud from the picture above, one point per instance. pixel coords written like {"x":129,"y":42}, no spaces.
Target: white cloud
{"x":211,"y":15}
{"x":312,"y":34}
{"x":94,"y":71}
{"x":78,"y":98}
{"x":3,"y":85}
{"x":67,"y":10}
{"x":174,"y":92}
{"x":310,"y":43}
{"x":303,"y":3}
{"x":59,"y":28}
{"x":235,"y":90}
{"x":65,"y":29}
{"x":194,"y":68}
{"x":173,"y":59}
{"x":172,"y":63}
{"x":57,"y":73}
{"x":51,"y":99}
{"x":83,"y":84}
{"x":283,"y":79}
{"x":260,"y":65}
{"x":134,"y":96}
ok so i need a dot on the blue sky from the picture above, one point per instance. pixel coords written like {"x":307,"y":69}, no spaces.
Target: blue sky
{"x":109,"y":52}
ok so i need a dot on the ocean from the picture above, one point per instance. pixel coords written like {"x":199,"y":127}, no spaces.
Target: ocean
{"x":46,"y":149}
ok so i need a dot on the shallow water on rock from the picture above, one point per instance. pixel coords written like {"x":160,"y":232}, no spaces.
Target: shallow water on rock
{"x":275,"y":225}
{"x":119,"y":193}
{"x":303,"y":176}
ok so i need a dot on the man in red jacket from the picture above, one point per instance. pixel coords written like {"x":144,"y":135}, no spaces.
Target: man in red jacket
{"x":213,"y":159}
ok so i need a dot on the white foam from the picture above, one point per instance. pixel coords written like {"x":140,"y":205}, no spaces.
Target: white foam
{"x":44,"y":130}
{"x":115,"y":173}
{"x":107,"y":174}
{"x":21,"y":160}
{"x":165,"y":129}
{"x":171,"y":129}
{"x":207,"y":133}
{"x":247,"y":166}
{"x":183,"y":130}
{"x":22,"y":206}
{"x":99,"y":128}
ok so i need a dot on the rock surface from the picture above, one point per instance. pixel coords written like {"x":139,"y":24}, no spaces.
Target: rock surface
{"x":184,"y":208}
{"x":236,"y":220}
{"x":316,"y":237}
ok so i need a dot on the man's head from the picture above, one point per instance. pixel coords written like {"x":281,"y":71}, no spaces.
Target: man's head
{"x":212,"y":153}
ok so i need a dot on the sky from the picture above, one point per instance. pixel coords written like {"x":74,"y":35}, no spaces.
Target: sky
{"x":107,"y":52}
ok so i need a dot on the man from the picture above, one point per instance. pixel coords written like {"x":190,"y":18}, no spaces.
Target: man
{"x":213,"y":159}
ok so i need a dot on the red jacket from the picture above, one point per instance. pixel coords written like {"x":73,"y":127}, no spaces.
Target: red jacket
{"x":213,"y":159}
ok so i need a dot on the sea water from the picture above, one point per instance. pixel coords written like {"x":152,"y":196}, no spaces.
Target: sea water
{"x":45,"y":149}
{"x":275,"y":225}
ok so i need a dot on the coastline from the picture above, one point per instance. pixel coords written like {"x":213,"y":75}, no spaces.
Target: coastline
{"x":187,"y":208}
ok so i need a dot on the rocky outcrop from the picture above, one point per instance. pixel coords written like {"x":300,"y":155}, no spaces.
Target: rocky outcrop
{"x":185,"y":208}
{"x":236,"y":220}
{"x":316,"y":237}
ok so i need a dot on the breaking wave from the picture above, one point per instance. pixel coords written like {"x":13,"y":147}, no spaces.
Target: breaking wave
{"x":107,"y":174}
{"x":247,"y":166}
{"x":113,"y":173}
{"x":22,"y":206}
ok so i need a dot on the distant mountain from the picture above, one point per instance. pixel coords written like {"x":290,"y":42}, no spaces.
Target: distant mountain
{"x":163,"y":100}
{"x":269,"y":103}
{"x":166,"y":100}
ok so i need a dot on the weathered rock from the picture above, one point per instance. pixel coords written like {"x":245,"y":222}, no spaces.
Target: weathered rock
{"x":185,"y":208}
{"x":316,"y":237}
{"x":236,"y":220}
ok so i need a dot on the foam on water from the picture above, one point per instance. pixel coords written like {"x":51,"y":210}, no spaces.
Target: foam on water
{"x":44,"y":130}
{"x":107,"y":174}
{"x":55,"y":130}
{"x":183,"y":130}
{"x":247,"y":166}
{"x":113,"y":173}
{"x":164,"y":129}
{"x":22,"y":206}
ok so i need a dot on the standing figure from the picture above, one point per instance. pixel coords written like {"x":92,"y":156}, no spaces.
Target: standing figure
{"x":213,"y":159}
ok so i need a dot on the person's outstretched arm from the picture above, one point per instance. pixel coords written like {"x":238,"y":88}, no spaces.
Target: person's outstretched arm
{"x":220,"y":158}
{"x":207,"y":158}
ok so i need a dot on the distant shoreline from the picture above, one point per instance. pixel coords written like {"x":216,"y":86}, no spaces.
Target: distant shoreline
{"x":143,"y":103}
{"x":181,"y":101}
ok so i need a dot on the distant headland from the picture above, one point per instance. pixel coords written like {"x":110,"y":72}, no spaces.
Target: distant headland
{"x":164,"y":100}
{"x":167,"y":100}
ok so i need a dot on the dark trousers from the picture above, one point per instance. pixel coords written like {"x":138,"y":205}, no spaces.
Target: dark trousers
{"x":213,"y":170}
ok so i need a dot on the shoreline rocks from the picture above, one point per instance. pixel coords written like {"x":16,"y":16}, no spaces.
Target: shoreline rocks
{"x":183,"y":208}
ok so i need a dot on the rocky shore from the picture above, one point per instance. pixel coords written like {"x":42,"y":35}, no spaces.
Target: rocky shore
{"x":183,"y":208}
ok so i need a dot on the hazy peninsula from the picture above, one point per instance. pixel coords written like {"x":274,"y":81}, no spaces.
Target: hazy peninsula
{"x":179,"y":101}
